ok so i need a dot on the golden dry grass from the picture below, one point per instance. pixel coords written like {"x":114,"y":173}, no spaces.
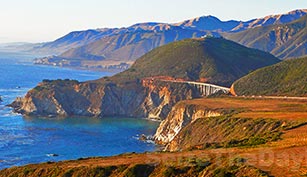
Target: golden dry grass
{"x":257,"y":107}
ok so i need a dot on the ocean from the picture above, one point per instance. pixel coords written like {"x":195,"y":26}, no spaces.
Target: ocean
{"x":34,"y":140}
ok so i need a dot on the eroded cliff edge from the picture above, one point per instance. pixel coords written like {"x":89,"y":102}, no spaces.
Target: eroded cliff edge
{"x":226,"y":122}
{"x":181,"y":115}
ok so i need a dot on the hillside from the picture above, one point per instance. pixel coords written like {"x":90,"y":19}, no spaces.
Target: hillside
{"x":213,"y":60}
{"x":140,"y":165}
{"x":282,"y":40}
{"x":287,"y":78}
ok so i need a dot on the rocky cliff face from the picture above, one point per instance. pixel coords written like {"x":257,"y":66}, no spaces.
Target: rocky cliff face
{"x":145,"y":98}
{"x":180,"y":116}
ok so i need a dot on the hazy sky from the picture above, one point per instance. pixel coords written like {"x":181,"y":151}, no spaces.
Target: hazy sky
{"x":46,"y":20}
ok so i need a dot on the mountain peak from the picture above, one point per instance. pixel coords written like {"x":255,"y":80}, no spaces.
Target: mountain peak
{"x":271,"y":20}
{"x":208,"y":23}
{"x":206,"y":17}
{"x":297,"y":11}
{"x":293,"y":12}
{"x":284,"y":18}
{"x":151,"y":26}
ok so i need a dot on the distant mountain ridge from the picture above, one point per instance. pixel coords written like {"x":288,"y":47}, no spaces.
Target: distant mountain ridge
{"x":123,"y":46}
{"x":117,"y":47}
{"x":212,"y":23}
{"x":282,"y":40}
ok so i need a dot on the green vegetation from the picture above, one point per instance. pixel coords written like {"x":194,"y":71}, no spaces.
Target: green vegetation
{"x":227,"y":131}
{"x":140,"y":170}
{"x":59,"y":83}
{"x":254,"y":140}
{"x":287,"y":78}
{"x":284,"y":41}
{"x":216,"y":60}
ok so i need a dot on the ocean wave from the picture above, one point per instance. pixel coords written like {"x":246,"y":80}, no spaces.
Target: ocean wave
{"x":145,"y":138}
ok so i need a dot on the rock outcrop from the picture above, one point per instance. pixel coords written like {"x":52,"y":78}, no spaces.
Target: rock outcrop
{"x":180,"y":116}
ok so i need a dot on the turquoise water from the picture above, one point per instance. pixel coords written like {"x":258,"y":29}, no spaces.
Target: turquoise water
{"x":33,"y":140}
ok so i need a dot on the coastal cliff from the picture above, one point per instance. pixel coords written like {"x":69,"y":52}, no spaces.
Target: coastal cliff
{"x":224,"y":122}
{"x":180,"y":116}
{"x":145,"y":98}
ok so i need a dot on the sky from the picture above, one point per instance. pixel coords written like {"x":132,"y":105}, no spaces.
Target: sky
{"x":47,"y":20}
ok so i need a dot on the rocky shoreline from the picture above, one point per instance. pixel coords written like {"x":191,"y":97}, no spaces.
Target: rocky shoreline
{"x":92,"y":99}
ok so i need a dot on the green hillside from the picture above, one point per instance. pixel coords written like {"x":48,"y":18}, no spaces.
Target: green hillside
{"x":214,"y":60}
{"x":283,"y":40}
{"x":286,"y":78}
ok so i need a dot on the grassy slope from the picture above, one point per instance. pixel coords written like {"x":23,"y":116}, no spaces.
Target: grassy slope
{"x":141,"y":165}
{"x":217,"y":60}
{"x":284,"y":41}
{"x":286,"y":78}
{"x":247,"y":122}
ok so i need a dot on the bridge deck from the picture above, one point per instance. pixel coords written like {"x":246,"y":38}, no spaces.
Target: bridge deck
{"x":204,"y":89}
{"x":197,"y":83}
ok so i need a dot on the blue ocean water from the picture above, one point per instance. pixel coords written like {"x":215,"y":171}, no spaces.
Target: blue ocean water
{"x":32,"y":140}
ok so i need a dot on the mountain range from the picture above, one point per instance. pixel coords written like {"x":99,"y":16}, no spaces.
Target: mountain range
{"x":120,"y":47}
{"x":282,"y":40}
{"x":212,"y":23}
